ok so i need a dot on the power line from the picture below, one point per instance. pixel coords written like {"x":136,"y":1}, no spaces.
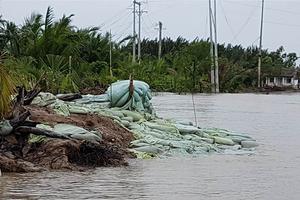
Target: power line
{"x":245,"y":24}
{"x":283,"y":24}
{"x":123,"y":32}
{"x":226,"y":19}
{"x":122,"y":17}
{"x":267,"y":8}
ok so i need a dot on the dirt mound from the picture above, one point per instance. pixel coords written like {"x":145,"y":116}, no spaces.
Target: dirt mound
{"x":112,"y":133}
{"x":18,"y":155}
{"x":93,"y":90}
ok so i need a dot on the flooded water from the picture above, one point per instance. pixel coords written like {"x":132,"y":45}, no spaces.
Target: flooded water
{"x":273,"y":172}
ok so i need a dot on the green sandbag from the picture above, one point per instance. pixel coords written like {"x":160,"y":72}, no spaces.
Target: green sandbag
{"x":157,"y":134}
{"x":78,"y":109}
{"x":44,"y":99}
{"x":170,"y":129}
{"x":149,"y":149}
{"x":44,"y":126}
{"x":135,"y":115}
{"x":136,"y":96}
{"x":122,"y":101}
{"x":221,"y":140}
{"x":60,"y":108}
{"x":185,"y":129}
{"x":116,"y":113}
{"x":208,"y":140}
{"x":138,"y":144}
{"x":125,"y":123}
{"x":5,"y":128}
{"x":68,"y":129}
{"x":129,"y":119}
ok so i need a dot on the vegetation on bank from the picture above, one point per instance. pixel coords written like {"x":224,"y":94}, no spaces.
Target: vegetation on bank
{"x":64,"y":58}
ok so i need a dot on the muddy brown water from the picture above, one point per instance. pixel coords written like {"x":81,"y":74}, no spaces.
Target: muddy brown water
{"x":273,"y":172}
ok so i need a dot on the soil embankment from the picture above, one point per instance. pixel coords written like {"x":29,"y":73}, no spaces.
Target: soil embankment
{"x":17,"y":154}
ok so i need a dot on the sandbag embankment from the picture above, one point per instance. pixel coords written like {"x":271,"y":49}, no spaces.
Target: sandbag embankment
{"x":128,"y":103}
{"x":112,"y":133}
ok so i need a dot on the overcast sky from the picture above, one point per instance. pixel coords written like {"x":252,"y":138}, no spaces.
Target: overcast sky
{"x":238,"y":20}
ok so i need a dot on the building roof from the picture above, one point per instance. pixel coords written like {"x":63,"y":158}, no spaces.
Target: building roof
{"x":284,"y":72}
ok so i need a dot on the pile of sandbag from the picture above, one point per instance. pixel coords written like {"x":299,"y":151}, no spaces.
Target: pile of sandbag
{"x":120,"y":95}
{"x":70,"y":131}
{"x":131,"y":108}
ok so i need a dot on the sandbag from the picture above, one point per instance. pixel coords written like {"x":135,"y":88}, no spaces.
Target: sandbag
{"x":5,"y":128}
{"x":60,"y":108}
{"x":249,"y":144}
{"x":119,"y":96}
{"x":68,"y":129}
{"x":186,"y":129}
{"x":135,"y":115}
{"x":149,"y":149}
{"x":44,"y":99}
{"x":221,"y":140}
{"x":78,"y":109}
{"x":170,"y":128}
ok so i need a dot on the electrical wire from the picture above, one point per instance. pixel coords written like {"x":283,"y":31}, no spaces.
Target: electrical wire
{"x":245,"y":24}
{"x":227,"y":21}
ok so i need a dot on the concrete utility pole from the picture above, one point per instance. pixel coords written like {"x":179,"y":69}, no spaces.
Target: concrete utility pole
{"x":110,"y":54}
{"x":260,"y":45}
{"x":212,"y":65}
{"x":134,"y":34}
{"x":159,"y":39}
{"x":216,"y":50}
{"x":139,"y":34}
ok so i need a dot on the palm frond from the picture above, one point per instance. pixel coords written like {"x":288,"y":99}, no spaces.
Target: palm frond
{"x":6,"y":91}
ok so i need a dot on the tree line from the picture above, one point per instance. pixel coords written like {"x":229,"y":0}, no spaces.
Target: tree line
{"x":64,"y":58}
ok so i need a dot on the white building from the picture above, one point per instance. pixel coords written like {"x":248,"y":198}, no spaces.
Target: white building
{"x":282,"y":81}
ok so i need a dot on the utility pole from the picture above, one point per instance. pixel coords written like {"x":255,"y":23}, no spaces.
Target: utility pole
{"x":134,"y":34}
{"x":212,"y":66}
{"x":110,"y":54}
{"x":70,"y":64}
{"x":139,"y":34}
{"x":159,"y":39}
{"x":260,"y":46}
{"x":216,"y":49}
